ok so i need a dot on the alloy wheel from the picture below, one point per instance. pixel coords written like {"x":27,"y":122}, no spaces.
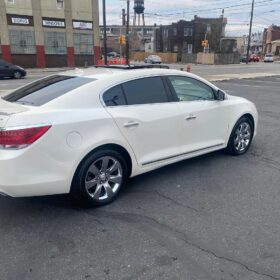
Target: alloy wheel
{"x":103,"y":178}
{"x":17,"y":75}
{"x":242,"y":137}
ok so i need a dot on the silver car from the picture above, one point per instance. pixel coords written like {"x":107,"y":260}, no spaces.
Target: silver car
{"x":268,"y":58}
{"x":153,"y":59}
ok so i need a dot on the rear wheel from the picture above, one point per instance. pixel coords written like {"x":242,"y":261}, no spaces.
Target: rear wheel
{"x":241,"y":137}
{"x":17,"y":75}
{"x":99,"y":178}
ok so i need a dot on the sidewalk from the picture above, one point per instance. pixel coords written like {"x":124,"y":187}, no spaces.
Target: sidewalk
{"x":47,"y":70}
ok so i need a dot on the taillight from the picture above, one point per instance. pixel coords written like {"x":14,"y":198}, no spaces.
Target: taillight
{"x":21,"y":138}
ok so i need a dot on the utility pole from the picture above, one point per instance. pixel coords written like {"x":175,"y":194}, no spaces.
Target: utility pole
{"x":250,"y":32}
{"x":105,"y":32}
{"x":127,"y":32}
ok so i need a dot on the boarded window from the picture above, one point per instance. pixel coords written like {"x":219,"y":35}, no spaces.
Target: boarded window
{"x":22,"y":42}
{"x":83,"y":43}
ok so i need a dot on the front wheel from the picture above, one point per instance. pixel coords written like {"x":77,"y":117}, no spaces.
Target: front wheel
{"x":17,"y":75}
{"x":99,"y":178}
{"x":241,"y":137}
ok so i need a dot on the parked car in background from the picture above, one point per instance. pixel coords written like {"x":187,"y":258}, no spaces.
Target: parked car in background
{"x":153,"y":59}
{"x":86,"y":132}
{"x":113,"y":55}
{"x":252,"y":58}
{"x":268,"y":58}
{"x":9,"y":70}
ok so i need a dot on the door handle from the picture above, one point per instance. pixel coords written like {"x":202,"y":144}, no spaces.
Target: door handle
{"x":131,"y":124}
{"x":190,"y":118}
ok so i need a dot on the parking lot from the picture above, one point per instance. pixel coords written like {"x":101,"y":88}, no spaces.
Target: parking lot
{"x":212,"y":217}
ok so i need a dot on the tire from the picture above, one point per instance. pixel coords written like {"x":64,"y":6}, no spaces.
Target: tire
{"x":17,"y":75}
{"x":241,"y":137}
{"x":94,"y":185}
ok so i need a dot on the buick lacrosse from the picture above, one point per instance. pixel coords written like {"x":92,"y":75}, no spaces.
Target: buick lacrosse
{"x":85,"y":132}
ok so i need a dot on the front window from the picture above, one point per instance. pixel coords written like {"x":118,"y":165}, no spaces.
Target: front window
{"x":22,"y":42}
{"x":188,"y":31}
{"x":190,"y":48}
{"x":165,"y":33}
{"x":188,"y":89}
{"x":45,"y":90}
{"x":55,"y":43}
{"x":60,"y":4}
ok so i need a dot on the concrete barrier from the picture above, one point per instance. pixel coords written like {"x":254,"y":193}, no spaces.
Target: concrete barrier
{"x":227,"y":58}
{"x":206,"y":58}
{"x":189,"y":58}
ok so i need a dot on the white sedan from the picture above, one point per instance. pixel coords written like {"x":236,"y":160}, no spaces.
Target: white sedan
{"x":86,"y":132}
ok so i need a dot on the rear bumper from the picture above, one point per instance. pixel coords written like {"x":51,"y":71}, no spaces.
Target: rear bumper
{"x":24,"y":173}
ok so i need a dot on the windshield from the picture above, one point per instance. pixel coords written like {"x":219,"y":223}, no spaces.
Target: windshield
{"x":43,"y":91}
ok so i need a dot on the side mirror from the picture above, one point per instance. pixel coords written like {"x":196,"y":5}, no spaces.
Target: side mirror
{"x":220,"y":95}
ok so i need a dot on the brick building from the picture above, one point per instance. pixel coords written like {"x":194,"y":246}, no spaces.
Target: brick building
{"x":270,"y":34}
{"x":49,"y":33}
{"x":186,"y":36}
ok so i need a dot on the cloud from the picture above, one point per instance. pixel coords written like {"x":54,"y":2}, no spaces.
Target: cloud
{"x":168,"y":11}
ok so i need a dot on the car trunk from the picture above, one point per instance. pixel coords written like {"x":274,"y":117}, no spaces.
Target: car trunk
{"x":7,"y":109}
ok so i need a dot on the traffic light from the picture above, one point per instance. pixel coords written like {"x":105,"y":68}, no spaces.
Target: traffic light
{"x":205,"y":43}
{"x":122,"y":40}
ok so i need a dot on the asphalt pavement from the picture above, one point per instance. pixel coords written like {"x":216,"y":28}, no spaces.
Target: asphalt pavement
{"x":209,"y":72}
{"x":212,"y":217}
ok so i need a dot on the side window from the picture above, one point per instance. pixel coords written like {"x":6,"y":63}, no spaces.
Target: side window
{"x":114,"y":97}
{"x":188,"y":89}
{"x":145,"y":91}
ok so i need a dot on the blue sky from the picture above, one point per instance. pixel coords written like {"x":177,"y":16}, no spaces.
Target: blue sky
{"x":267,"y":12}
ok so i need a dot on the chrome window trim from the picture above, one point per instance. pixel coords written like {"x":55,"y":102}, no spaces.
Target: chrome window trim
{"x":150,"y":76}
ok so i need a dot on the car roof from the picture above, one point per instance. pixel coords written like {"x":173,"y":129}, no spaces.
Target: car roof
{"x":101,"y":73}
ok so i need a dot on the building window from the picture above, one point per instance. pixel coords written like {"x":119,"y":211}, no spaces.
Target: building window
{"x":165,"y":33}
{"x":22,"y":42}
{"x":189,"y":48}
{"x":55,"y":43}
{"x":175,"y":48}
{"x":60,"y":4}
{"x":83,"y":43}
{"x":175,"y":31}
{"x":10,"y":2}
{"x":188,"y":31}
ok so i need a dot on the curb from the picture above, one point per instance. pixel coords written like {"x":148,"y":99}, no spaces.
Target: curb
{"x":220,"y":78}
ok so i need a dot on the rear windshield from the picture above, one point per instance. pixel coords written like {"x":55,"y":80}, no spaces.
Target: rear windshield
{"x":43,"y":91}
{"x":268,"y":55}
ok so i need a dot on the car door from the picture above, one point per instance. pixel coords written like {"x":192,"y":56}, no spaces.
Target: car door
{"x":204,"y":120}
{"x":6,"y":69}
{"x":2,"y":68}
{"x":146,"y":118}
